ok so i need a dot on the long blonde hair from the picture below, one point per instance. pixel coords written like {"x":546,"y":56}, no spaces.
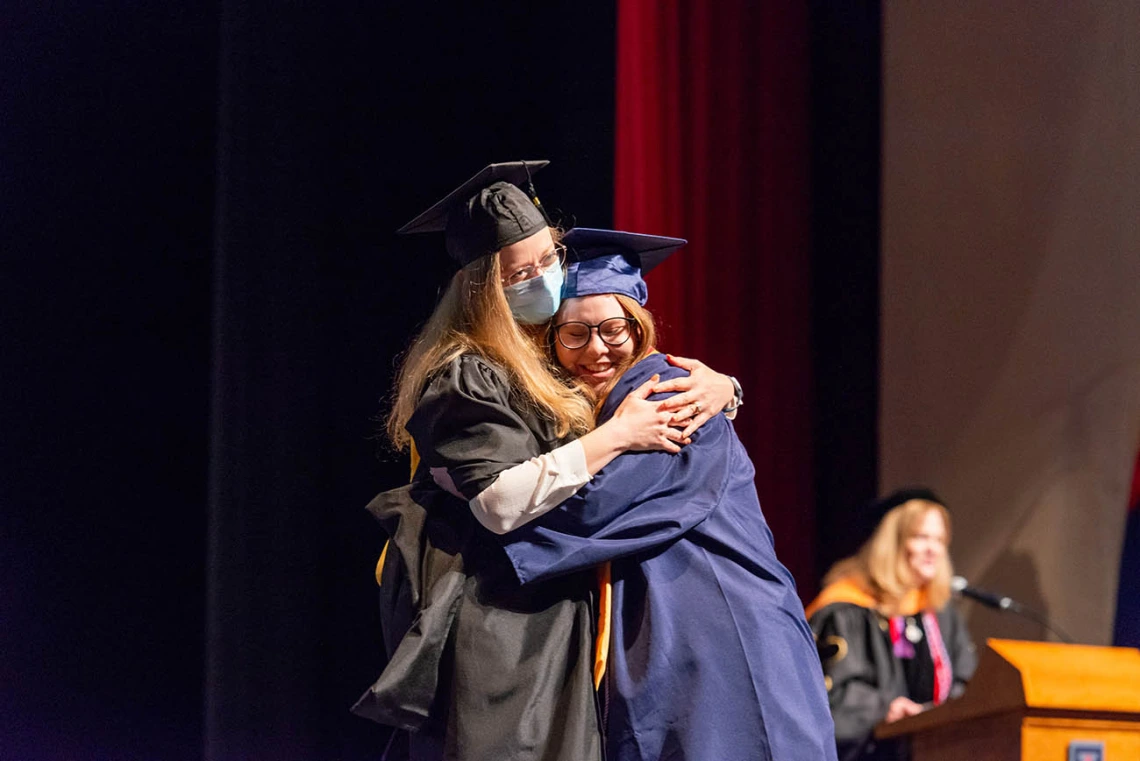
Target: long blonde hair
{"x":644,"y":338}
{"x":881,"y":567}
{"x":473,"y":317}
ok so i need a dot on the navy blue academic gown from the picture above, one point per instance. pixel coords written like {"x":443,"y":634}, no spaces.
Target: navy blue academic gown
{"x":711,"y":656}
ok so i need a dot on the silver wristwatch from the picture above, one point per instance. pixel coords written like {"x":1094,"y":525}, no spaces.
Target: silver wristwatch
{"x":737,"y":395}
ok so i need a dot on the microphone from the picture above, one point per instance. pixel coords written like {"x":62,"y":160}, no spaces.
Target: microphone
{"x":959,"y":586}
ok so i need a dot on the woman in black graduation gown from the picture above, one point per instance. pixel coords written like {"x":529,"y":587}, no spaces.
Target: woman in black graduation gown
{"x":481,"y":667}
{"x":891,"y":642}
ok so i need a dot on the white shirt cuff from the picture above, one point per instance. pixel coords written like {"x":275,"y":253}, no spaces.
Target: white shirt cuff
{"x":522,"y":493}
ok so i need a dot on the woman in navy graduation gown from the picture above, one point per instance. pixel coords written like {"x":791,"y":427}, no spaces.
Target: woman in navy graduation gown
{"x":480,"y":666}
{"x":711,"y":656}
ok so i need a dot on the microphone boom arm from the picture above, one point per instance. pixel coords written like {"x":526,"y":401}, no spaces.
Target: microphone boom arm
{"x":960,"y":586}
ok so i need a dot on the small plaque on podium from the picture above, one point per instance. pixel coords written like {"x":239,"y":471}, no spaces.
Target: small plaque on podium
{"x":1086,"y":750}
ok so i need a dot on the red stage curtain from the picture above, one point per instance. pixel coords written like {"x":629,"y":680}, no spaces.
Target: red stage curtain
{"x":712,"y":144}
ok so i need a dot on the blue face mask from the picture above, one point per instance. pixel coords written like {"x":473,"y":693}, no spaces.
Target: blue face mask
{"x":536,"y":300}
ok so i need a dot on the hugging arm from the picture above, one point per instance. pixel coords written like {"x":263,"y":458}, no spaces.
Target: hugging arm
{"x":478,"y":447}
{"x":698,"y":396}
{"x":638,"y":501}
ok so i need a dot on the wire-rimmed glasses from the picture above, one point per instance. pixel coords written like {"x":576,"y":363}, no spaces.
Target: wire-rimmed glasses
{"x":553,"y":257}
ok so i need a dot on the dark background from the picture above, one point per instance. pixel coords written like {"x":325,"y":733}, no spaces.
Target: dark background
{"x":202,"y":300}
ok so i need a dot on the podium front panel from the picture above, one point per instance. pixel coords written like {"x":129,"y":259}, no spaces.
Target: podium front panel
{"x":1049,"y":738}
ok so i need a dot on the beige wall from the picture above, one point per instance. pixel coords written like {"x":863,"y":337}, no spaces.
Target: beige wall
{"x":1010,"y":365}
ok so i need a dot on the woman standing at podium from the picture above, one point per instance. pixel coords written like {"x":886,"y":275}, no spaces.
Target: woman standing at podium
{"x":890,"y":642}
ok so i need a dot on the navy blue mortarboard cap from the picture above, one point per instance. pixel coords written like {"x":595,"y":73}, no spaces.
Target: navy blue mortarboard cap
{"x":611,"y":261}
{"x":489,"y":211}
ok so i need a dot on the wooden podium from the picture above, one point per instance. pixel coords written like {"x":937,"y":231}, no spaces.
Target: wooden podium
{"x":1032,"y":701}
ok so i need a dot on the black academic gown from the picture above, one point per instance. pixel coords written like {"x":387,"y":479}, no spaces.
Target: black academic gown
{"x":864,"y":675}
{"x":711,"y":656}
{"x":481,"y":667}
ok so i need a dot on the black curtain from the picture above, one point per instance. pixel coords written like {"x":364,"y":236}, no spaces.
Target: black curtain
{"x":846,"y":43}
{"x":107,"y":117}
{"x":202,"y":297}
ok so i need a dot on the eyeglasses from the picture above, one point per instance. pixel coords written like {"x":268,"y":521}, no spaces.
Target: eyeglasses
{"x":555,"y":257}
{"x":574,"y":335}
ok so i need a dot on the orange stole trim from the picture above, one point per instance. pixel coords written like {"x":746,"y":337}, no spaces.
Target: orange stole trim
{"x":380,"y":563}
{"x":415,"y":457}
{"x":850,"y":590}
{"x":605,"y":622}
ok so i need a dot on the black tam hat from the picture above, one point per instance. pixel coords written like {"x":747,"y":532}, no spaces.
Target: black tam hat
{"x":902,"y":496}
{"x":489,"y":211}
{"x":876,"y":510}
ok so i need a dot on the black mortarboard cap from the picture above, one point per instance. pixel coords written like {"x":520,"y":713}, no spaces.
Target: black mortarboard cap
{"x":489,"y":211}
{"x":611,"y":261}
